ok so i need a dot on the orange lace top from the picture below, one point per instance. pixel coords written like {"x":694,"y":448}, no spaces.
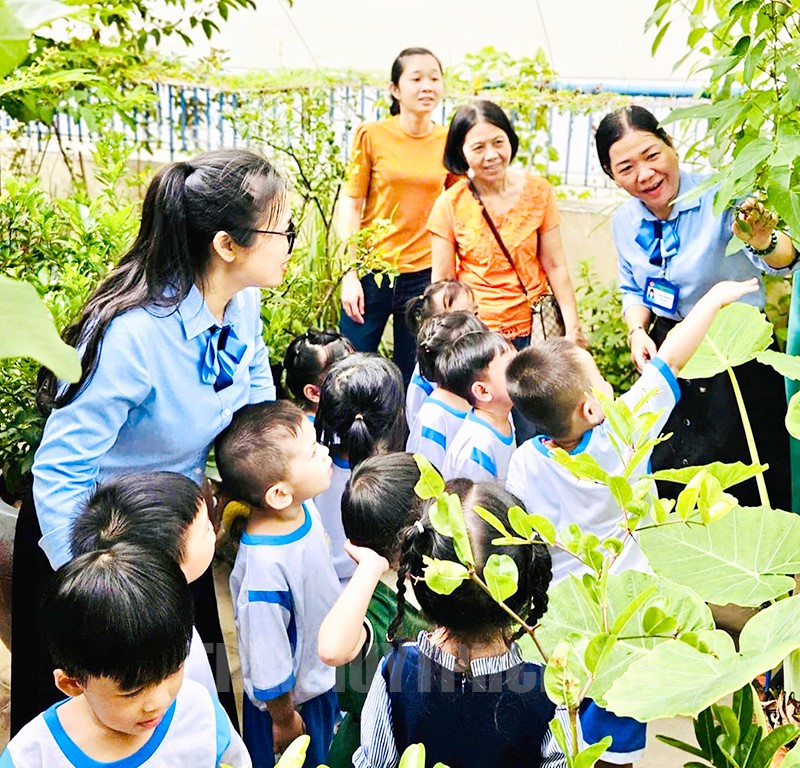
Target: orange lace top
{"x":457,"y":216}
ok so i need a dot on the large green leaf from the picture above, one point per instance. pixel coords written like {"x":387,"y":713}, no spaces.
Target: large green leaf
{"x":575,"y":610}
{"x":688,"y":680}
{"x":792,"y":419}
{"x":29,"y":331}
{"x":785,"y":365}
{"x":739,"y":332}
{"x":727,"y":474}
{"x":745,"y":558}
{"x":18,"y":20}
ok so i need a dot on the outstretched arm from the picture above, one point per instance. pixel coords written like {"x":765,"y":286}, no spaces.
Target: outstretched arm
{"x":684,"y":339}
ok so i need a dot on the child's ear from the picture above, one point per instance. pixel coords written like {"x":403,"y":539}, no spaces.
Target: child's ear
{"x":311,"y":392}
{"x":480,"y":392}
{"x":66,"y":684}
{"x":590,"y":410}
{"x":278,"y":496}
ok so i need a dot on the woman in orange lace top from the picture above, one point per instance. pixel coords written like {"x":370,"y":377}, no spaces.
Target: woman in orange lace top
{"x":481,"y":143}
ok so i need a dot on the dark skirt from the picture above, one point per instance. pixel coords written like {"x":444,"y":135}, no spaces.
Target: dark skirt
{"x":706,"y":426}
{"x":32,"y":687}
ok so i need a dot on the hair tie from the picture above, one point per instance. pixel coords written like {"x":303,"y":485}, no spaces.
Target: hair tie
{"x":358,"y":417}
{"x":419,"y":526}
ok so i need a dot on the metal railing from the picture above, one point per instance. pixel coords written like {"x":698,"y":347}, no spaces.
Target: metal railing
{"x":185,"y":120}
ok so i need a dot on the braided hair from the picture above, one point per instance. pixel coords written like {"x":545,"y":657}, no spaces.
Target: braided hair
{"x":468,"y":612}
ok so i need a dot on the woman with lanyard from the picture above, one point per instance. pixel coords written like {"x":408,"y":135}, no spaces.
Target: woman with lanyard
{"x":497,"y":230}
{"x":170,"y":347}
{"x":670,"y":254}
{"x":395,"y":174}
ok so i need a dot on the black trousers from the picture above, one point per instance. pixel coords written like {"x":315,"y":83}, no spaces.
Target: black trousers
{"x":32,"y":687}
{"x":706,"y":426}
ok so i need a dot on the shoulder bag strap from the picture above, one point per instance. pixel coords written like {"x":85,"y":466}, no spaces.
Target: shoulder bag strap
{"x":497,"y":237}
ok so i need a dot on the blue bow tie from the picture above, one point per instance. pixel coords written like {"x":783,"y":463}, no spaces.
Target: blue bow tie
{"x":224,"y":351}
{"x":659,"y":240}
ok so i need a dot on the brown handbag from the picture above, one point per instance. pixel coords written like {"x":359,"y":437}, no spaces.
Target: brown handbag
{"x":546,"y":317}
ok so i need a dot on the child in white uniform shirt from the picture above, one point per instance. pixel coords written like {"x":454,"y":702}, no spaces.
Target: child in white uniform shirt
{"x":283,"y":582}
{"x":550,"y":384}
{"x":475,"y":367}
{"x":119,"y":655}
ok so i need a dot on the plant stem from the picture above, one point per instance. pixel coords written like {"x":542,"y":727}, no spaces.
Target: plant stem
{"x":573,"y":727}
{"x":528,"y":629}
{"x":751,"y":441}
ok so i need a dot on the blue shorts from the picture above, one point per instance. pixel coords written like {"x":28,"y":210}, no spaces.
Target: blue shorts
{"x":629,"y":735}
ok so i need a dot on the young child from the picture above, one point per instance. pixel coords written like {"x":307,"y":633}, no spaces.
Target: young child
{"x":550,"y":383}
{"x":283,"y":583}
{"x":118,"y":625}
{"x":378,"y":502}
{"x":308,"y":357}
{"x":438,"y":298}
{"x":475,"y":368}
{"x":463,"y":690}
{"x":442,"y":413}
{"x":360,"y":414}
{"x":157,"y":511}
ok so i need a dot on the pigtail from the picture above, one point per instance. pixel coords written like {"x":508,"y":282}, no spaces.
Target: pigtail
{"x":409,"y":557}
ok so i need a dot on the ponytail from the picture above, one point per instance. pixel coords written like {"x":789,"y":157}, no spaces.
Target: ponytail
{"x":410,"y":538}
{"x":186,"y":204}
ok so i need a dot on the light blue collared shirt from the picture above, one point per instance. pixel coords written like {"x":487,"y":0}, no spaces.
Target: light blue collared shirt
{"x":146,"y":407}
{"x":700,"y":261}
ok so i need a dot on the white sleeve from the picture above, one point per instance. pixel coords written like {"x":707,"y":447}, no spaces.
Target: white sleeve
{"x":231,"y":750}
{"x":378,"y":748}
{"x":552,"y":756}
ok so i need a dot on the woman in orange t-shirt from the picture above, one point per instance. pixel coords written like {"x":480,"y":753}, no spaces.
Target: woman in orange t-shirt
{"x":481,"y":143}
{"x":395,"y":172}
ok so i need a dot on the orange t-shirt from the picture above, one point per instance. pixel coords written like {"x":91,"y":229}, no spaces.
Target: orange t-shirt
{"x":400,"y":176}
{"x":456,"y":216}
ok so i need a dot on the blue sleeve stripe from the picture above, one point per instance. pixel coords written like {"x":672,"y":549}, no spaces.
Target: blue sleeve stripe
{"x":422,"y":383}
{"x":223,"y":729}
{"x":668,"y":375}
{"x":283,"y":598}
{"x":483,"y":460}
{"x":5,"y":760}
{"x":267,"y":694}
{"x":435,"y":436}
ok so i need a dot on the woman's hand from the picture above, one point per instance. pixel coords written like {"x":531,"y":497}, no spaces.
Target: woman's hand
{"x":643,"y":348}
{"x":353,"y":297}
{"x":754,"y":224}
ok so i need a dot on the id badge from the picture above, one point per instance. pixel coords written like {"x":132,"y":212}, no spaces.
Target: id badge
{"x":660,"y":293}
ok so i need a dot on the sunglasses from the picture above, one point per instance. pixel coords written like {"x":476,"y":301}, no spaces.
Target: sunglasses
{"x":290,"y":234}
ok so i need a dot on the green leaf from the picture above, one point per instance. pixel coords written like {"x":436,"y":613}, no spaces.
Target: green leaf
{"x":656,"y":621}
{"x":34,"y":334}
{"x":582,"y":465}
{"x":785,"y":365}
{"x":658,"y":38}
{"x":543,"y":527}
{"x":792,"y":758}
{"x":444,"y":576}
{"x":745,"y":558}
{"x":520,"y":522}
{"x":439,"y":514}
{"x":739,"y":332}
{"x":430,"y":483}
{"x":501,"y":575}
{"x":413,"y":756}
{"x":295,"y":754}
{"x":587,"y":757}
{"x":574,"y":609}
{"x":727,"y":474}
{"x":485,"y":515}
{"x":688,"y":681}
{"x":773,"y":741}
{"x":786,"y":203}
{"x":565,"y":675}
{"x":678,"y":744}
{"x":458,"y":527}
{"x":598,"y":649}
{"x":792,"y":419}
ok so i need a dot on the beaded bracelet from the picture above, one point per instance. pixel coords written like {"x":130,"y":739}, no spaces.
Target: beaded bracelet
{"x":773,"y":244}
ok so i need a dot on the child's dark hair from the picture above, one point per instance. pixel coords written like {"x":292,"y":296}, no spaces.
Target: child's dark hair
{"x":252,"y":453}
{"x":437,"y":298}
{"x":616,"y":124}
{"x":438,"y":333}
{"x":546,"y":382}
{"x":398,"y":67}
{"x":464,"y":120}
{"x":360,"y":409}
{"x":308,"y":357}
{"x":151,"y":510}
{"x":465,"y":361}
{"x":125,"y":613}
{"x":379,"y":502}
{"x":468,"y":612}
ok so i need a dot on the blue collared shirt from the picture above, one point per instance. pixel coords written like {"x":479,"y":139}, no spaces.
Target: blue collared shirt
{"x":146,"y":408}
{"x":700,"y":260}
